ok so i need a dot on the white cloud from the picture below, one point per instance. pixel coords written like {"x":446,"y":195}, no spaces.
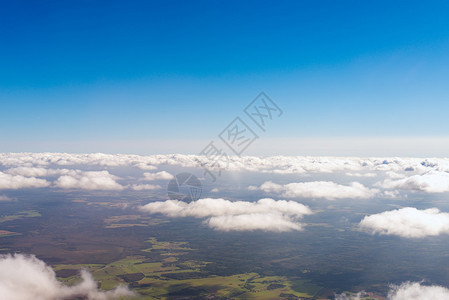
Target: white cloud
{"x":4,"y":198}
{"x":392,"y":194}
{"x":417,"y":291}
{"x":215,"y":190}
{"x":144,"y":166}
{"x":92,"y":180}
{"x":394,"y":175}
{"x":357,"y":174}
{"x":268,"y":187}
{"x":163,"y":175}
{"x":427,"y":174}
{"x":26,"y":277}
{"x":345,"y":296}
{"x":140,"y":187}
{"x":407,"y":222}
{"x":40,"y":172}
{"x":405,"y":291}
{"x":273,"y":164}
{"x":218,"y":207}
{"x":28,"y":171}
{"x":249,"y":222}
{"x":319,"y":189}
{"x":8,"y":181}
{"x":265,"y":214}
{"x":431,"y":182}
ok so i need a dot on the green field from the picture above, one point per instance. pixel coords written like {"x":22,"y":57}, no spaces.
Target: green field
{"x":169,"y":276}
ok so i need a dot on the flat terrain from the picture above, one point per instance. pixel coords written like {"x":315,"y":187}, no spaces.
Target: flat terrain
{"x":174,"y":258}
{"x":168,"y":275}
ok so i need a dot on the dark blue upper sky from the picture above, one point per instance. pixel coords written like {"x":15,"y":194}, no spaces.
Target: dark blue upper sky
{"x":118,"y":70}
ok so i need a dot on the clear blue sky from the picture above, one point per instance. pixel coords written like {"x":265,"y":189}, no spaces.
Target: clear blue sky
{"x":106,"y":75}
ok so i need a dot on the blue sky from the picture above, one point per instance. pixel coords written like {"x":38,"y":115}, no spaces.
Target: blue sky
{"x":168,"y":76}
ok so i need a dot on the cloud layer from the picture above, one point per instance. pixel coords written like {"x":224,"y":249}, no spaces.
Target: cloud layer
{"x":432,"y":182}
{"x":273,"y":164}
{"x":265,"y":214}
{"x":93,"y":180}
{"x":68,"y":171}
{"x":163,"y":175}
{"x":26,"y":277}
{"x":407,"y":222}
{"x":319,"y":189}
{"x":8,"y":181}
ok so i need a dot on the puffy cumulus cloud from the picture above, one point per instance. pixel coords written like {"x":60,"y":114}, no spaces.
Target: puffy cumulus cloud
{"x":70,"y":159}
{"x":407,"y":222}
{"x":40,"y":172}
{"x":217,"y":207}
{"x":25,"y":159}
{"x":8,"y":181}
{"x":26,"y":277}
{"x":295,"y":164}
{"x":357,"y":174}
{"x":249,"y":222}
{"x":431,"y":182}
{"x":417,"y":291}
{"x":91,"y":180}
{"x":405,"y":291}
{"x":394,"y":175}
{"x":402,"y":173}
{"x":144,"y":166}
{"x":28,"y":171}
{"x":266,"y":214}
{"x":273,"y":164}
{"x":141,"y":187}
{"x":163,"y":175}
{"x":268,"y":187}
{"x":319,"y":189}
{"x":353,"y":165}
